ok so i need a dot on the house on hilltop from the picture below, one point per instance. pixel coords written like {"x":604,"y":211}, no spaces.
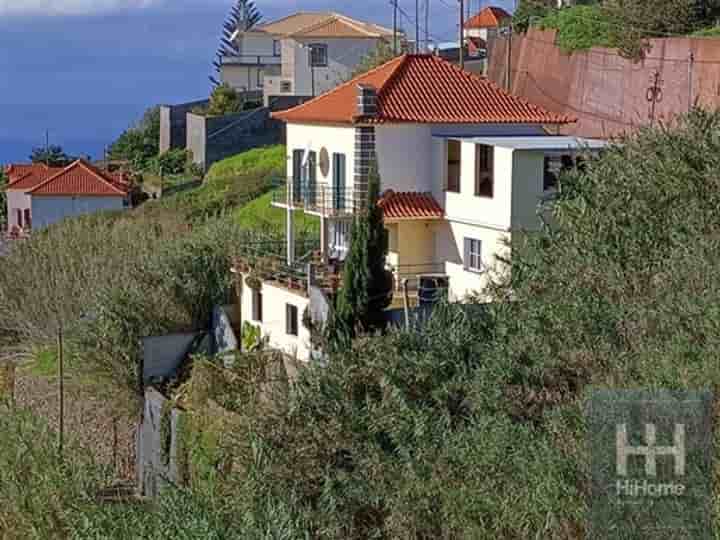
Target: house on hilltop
{"x":38,"y":195}
{"x":462,"y":163}
{"x":303,"y":54}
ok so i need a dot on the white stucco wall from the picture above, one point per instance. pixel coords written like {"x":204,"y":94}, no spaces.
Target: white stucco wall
{"x":449,"y":247}
{"x":336,"y":139}
{"x":405,"y":157}
{"x":258,"y":44}
{"x":49,"y":210}
{"x":273,"y":324}
{"x":483,"y":211}
{"x":16,"y":200}
{"x":343,"y":55}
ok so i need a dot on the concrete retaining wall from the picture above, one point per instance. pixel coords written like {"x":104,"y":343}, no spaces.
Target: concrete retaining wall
{"x":173,"y":128}
{"x":607,"y":93}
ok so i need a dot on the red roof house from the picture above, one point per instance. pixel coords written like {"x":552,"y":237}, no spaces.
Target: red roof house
{"x":490,"y":17}
{"x":422,"y":89}
{"x":40,"y":195}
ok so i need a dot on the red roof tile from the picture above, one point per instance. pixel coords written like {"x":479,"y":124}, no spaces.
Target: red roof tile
{"x":23,"y":177}
{"x":422,"y":89}
{"x":409,"y":206}
{"x":490,"y":17}
{"x":81,"y":178}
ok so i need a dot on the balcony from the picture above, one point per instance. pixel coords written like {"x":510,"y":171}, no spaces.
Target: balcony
{"x":250,"y":60}
{"x":318,"y":199}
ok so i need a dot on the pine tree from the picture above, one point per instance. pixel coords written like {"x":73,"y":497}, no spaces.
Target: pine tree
{"x":367,"y":284}
{"x":242,"y":17}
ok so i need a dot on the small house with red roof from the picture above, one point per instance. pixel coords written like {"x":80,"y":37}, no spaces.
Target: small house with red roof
{"x":462,"y":163}
{"x":38,"y":195}
{"x":484,"y":26}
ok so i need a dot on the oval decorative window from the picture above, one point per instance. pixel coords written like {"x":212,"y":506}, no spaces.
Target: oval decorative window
{"x":324,"y":162}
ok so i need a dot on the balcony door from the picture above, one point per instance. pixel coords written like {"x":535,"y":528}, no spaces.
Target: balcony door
{"x":297,"y":175}
{"x":339,"y":184}
{"x":310,"y":176}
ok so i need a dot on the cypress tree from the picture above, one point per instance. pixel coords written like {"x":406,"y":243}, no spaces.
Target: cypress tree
{"x":367,"y":284}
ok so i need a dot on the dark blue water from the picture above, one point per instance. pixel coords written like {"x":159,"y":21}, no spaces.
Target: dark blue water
{"x":79,"y":129}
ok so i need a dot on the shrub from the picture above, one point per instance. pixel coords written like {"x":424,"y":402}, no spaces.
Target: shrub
{"x":579,"y":27}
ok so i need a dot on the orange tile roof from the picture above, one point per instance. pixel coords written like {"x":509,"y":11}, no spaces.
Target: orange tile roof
{"x":344,"y":27}
{"x":410,"y":205}
{"x":422,"y":89}
{"x":322,"y":24}
{"x":26,"y":176}
{"x":81,"y":178}
{"x":490,"y":17}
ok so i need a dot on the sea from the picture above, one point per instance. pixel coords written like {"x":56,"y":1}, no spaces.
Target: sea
{"x":81,"y":130}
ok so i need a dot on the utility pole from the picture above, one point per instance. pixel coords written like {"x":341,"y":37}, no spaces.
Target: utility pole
{"x":508,"y":75}
{"x":395,"y":27}
{"x":427,"y":25}
{"x":462,"y":35}
{"x":417,"y":26}
{"x":61,"y":391}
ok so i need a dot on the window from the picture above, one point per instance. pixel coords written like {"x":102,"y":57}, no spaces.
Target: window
{"x":28,"y":220}
{"x":318,"y":55}
{"x":484,"y":171}
{"x":554,"y":166}
{"x":339,"y":188}
{"x":276,"y":47}
{"x":453,"y":167}
{"x":291,"y":320}
{"x":18,"y":217}
{"x":259,"y":81}
{"x":285,"y":87}
{"x":311,"y":179}
{"x":473,"y":255}
{"x":257,"y":308}
{"x":297,"y":175}
{"x":341,"y":235}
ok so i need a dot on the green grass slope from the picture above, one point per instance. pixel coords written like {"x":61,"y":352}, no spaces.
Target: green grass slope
{"x":259,"y":214}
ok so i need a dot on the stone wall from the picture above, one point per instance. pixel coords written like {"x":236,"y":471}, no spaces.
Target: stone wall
{"x":214,"y":138}
{"x":609,"y":94}
{"x":173,"y":129}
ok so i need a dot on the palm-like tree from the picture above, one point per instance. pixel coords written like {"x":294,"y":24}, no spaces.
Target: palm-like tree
{"x":242,"y":17}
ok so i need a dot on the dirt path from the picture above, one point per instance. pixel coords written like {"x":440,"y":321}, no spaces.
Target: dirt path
{"x":88,"y":419}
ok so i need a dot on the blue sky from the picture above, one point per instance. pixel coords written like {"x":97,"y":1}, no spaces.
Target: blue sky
{"x":85,"y":69}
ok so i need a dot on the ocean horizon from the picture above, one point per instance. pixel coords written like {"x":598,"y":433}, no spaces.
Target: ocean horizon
{"x":79,"y":129}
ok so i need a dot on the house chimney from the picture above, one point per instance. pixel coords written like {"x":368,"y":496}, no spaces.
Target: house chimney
{"x":367,"y":100}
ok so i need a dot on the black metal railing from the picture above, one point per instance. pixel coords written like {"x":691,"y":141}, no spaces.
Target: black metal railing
{"x":319,"y":198}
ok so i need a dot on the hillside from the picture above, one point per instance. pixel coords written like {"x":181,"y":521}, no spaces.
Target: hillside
{"x":239,"y":187}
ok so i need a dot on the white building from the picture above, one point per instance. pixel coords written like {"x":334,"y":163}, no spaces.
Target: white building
{"x":462,"y":163}
{"x":482,"y":28}
{"x":38,"y":196}
{"x":304,"y":54}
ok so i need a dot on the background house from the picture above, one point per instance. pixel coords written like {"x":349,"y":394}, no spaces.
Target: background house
{"x":304,"y":54}
{"x":481,"y":29}
{"x":463,"y":164}
{"x":39,"y":195}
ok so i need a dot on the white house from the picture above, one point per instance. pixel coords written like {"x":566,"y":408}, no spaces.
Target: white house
{"x":38,"y":196}
{"x":482,"y":28}
{"x":462,"y":163}
{"x":304,"y":54}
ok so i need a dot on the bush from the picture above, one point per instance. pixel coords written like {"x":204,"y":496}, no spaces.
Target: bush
{"x":175,"y":161}
{"x":579,"y":27}
{"x":223,"y":100}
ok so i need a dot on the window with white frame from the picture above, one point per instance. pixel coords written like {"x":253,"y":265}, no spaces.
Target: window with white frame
{"x":285,"y":87}
{"x":276,"y":47}
{"x":318,"y":55}
{"x":473,"y":255}
{"x":484,"y":171}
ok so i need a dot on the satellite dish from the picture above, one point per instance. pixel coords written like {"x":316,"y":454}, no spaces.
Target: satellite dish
{"x":324,"y":162}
